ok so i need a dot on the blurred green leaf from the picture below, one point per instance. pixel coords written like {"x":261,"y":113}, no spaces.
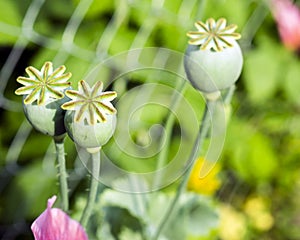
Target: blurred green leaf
{"x":57,"y":9}
{"x":42,"y":56}
{"x":262,"y":70}
{"x":250,"y":152}
{"x":120,"y":219}
{"x":104,"y":232}
{"x":127,"y":234}
{"x":139,"y":10}
{"x":166,"y":33}
{"x":172,"y":5}
{"x":78,"y":68}
{"x":202,"y":217}
{"x":110,"y":198}
{"x":30,"y":191}
{"x":122,"y":40}
{"x":98,"y":8}
{"x":291,"y":81}
{"x":10,"y":16}
{"x":236,"y":12}
{"x":194,"y":215}
{"x":89,"y":34}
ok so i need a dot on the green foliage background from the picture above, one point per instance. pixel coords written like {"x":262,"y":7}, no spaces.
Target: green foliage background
{"x":261,"y":154}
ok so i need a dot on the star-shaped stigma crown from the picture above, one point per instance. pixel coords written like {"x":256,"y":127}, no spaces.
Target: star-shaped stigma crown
{"x":213,"y":35}
{"x":44,"y":84}
{"x":89,"y":103}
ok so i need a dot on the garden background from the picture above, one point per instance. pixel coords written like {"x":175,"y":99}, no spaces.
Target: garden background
{"x":258,"y":197}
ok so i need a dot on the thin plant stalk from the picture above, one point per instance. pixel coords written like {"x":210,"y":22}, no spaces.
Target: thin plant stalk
{"x":63,"y":181}
{"x":204,"y":128}
{"x":95,"y":157}
{"x":162,"y":157}
{"x":229,"y":94}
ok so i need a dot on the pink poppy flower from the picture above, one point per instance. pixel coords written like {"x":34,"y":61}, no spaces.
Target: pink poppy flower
{"x":54,"y":224}
{"x":287,"y":16}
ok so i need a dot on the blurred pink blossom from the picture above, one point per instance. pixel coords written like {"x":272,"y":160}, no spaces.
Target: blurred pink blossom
{"x":54,"y":224}
{"x":287,"y":16}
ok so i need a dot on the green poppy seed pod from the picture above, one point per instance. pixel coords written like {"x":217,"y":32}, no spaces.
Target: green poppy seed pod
{"x":210,"y":71}
{"x":47,"y":119}
{"x":87,"y":135}
{"x":90,"y":119}
{"x":213,"y":60}
{"x":43,"y":92}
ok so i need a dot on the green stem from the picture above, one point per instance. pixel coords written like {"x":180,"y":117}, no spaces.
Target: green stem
{"x":60,"y":155}
{"x":229,"y":94}
{"x":162,"y":157}
{"x":93,"y":188}
{"x":254,"y":23}
{"x":204,"y":128}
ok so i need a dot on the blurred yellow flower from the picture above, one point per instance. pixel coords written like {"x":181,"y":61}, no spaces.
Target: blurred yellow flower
{"x":207,"y":184}
{"x":232,"y":224}
{"x":257,"y":210}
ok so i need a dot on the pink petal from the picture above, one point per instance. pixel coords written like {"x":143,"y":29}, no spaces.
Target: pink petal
{"x":54,"y":224}
{"x":287,"y":16}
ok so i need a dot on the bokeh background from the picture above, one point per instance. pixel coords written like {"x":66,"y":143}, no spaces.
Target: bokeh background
{"x":258,"y":196}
